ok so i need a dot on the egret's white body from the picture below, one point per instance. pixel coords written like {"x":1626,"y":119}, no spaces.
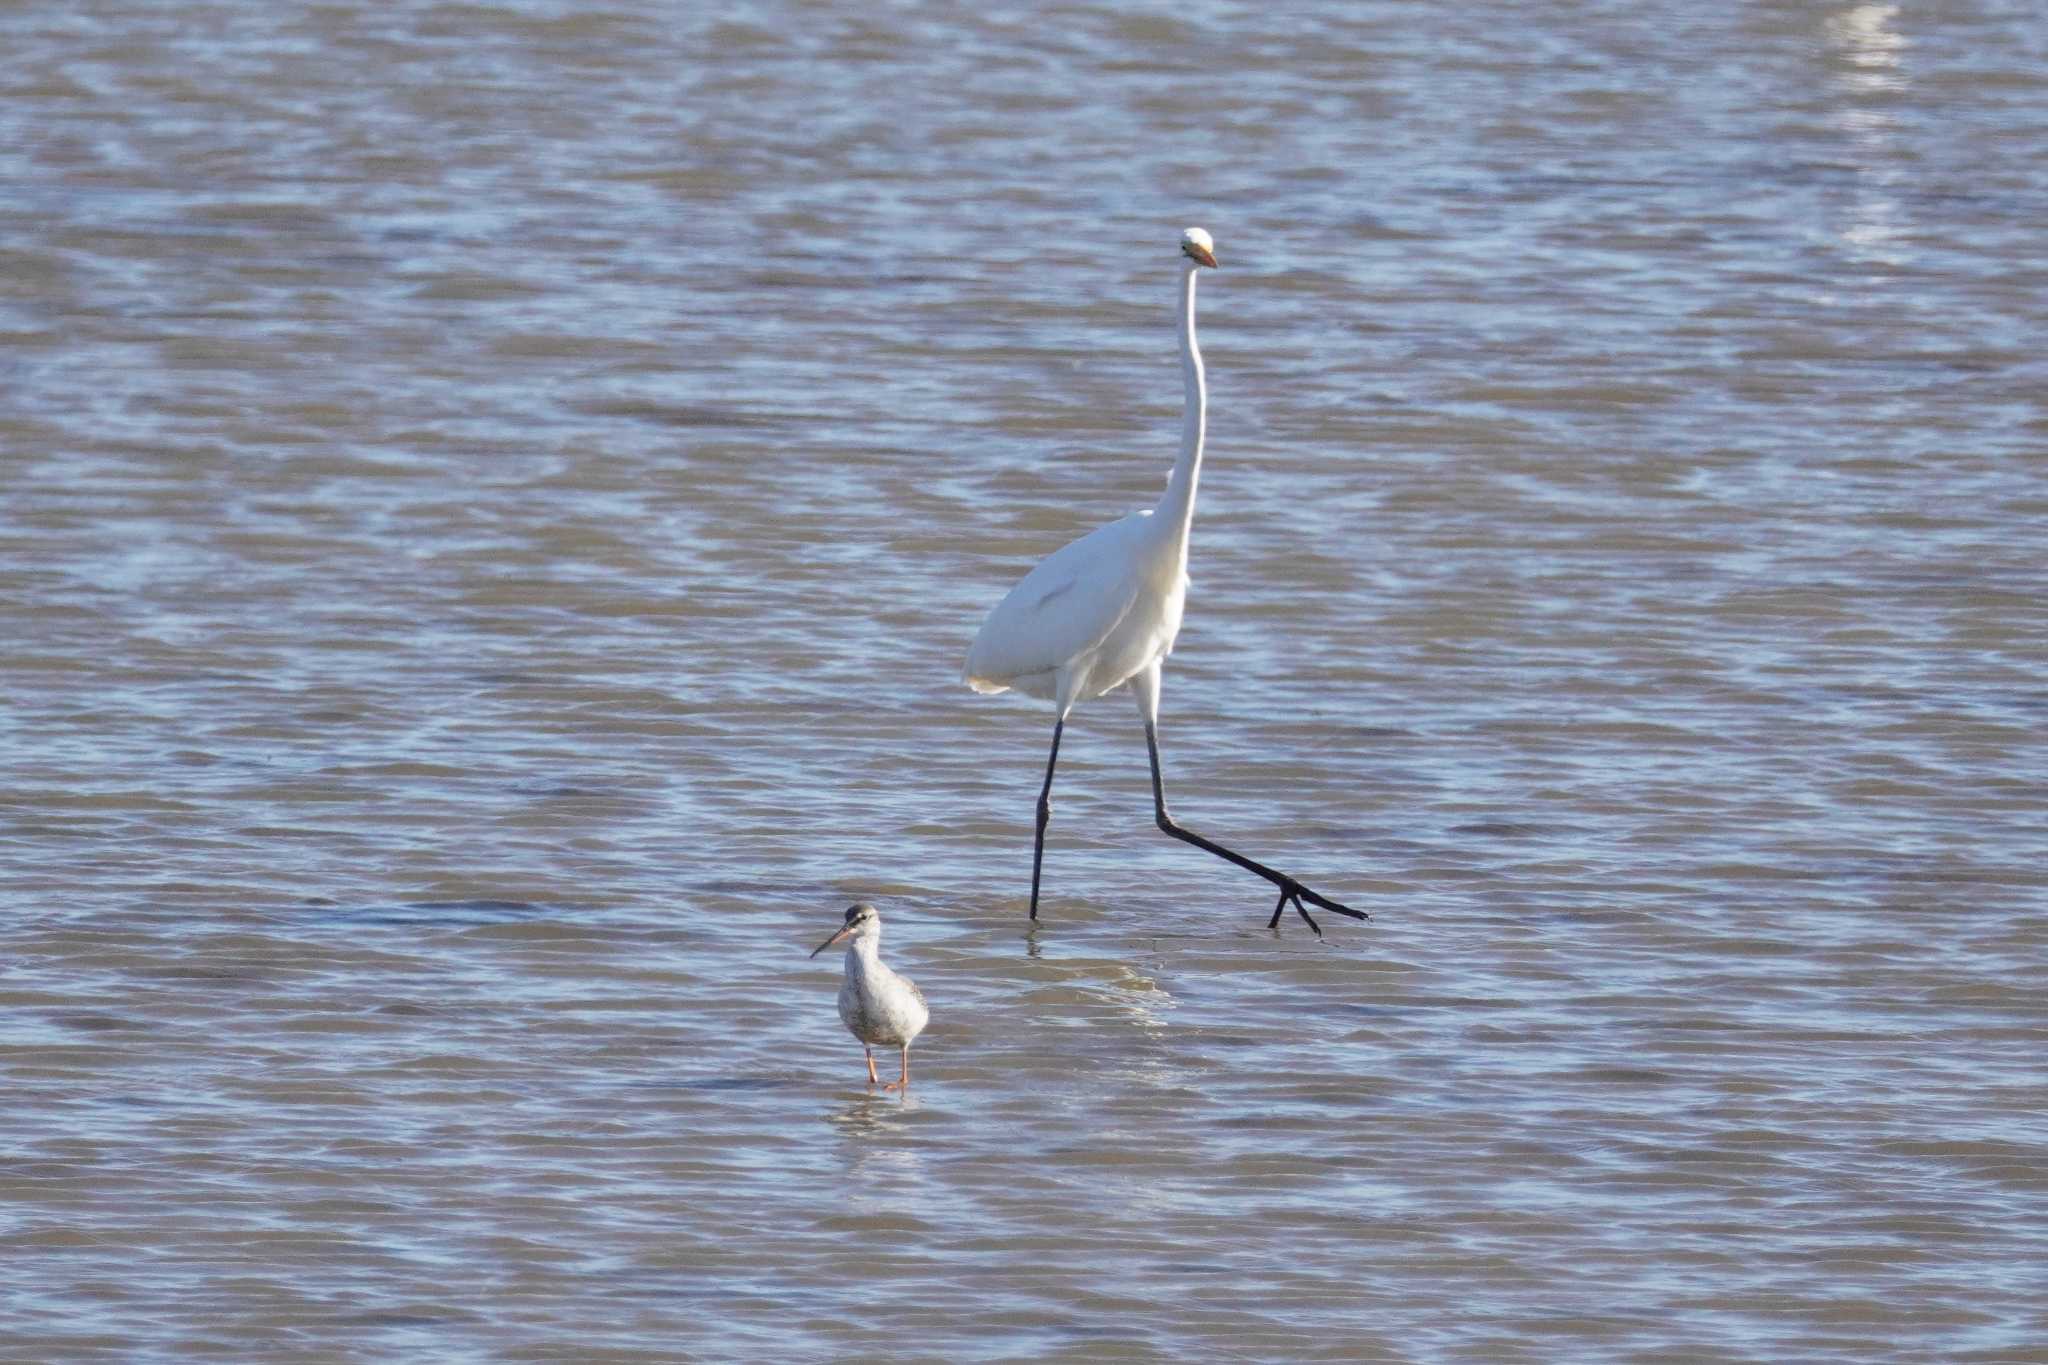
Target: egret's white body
{"x":1091,"y":616}
{"x":1105,"y":610}
{"x":878,"y":1004}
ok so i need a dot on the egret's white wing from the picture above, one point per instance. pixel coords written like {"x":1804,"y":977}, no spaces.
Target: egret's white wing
{"x":1062,"y":610}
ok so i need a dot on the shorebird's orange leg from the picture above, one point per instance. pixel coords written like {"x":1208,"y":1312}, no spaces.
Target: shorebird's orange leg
{"x":873,"y":1079}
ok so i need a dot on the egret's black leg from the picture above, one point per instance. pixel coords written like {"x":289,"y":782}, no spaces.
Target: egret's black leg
{"x":1290,"y":889}
{"x":1044,"y":812}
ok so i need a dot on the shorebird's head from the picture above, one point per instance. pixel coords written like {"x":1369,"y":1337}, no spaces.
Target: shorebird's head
{"x":862,"y":921}
{"x":1199,"y":247}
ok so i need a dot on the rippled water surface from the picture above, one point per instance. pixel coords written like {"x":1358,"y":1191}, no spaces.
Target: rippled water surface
{"x":493,"y":500}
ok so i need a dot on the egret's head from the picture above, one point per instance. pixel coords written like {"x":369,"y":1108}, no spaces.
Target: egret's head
{"x":862,"y":921}
{"x":1199,"y":247}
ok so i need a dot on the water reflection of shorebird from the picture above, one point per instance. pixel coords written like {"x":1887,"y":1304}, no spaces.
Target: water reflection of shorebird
{"x":878,"y":1004}
{"x":1104,"y":611}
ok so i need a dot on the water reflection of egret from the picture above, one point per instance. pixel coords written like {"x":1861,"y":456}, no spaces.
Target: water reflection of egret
{"x":1863,"y":37}
{"x":1141,"y":999}
{"x":1867,"y":64}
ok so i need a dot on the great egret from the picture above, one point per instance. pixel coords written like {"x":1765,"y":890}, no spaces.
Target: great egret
{"x":876,"y":1003}
{"x":1104,"y":611}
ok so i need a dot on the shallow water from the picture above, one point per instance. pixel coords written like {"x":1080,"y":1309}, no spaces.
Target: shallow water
{"x":495,"y":499}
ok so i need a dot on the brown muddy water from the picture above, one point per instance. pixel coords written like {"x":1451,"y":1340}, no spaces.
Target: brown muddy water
{"x":493,"y":500}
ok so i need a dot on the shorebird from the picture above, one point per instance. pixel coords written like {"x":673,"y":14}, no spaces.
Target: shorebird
{"x":877,"y":1003}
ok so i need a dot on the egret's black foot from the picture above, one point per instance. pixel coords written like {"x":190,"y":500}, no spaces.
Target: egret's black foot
{"x":1280,"y":908}
{"x":1291,"y":890}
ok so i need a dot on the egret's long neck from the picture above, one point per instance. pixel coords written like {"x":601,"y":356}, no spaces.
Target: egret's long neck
{"x":1176,"y":511}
